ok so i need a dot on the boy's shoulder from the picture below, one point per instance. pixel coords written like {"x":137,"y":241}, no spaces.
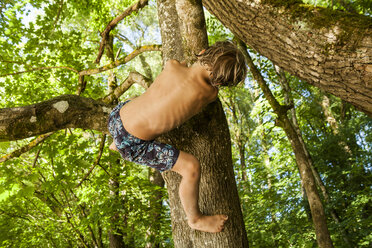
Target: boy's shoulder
{"x":171,"y":63}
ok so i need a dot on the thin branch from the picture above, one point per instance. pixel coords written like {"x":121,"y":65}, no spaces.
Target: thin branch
{"x":81,"y":236}
{"x":58,"y":15}
{"x":13,"y":215}
{"x":25,"y":148}
{"x":82,"y":85}
{"x":117,"y":54}
{"x":134,"y":77}
{"x":124,"y":39}
{"x":36,"y":157}
{"x":101,"y":146}
{"x":146,"y":66}
{"x":13,"y":62}
{"x":39,"y":69}
{"x":82,"y":207}
{"x":121,"y":61}
{"x":112,"y":24}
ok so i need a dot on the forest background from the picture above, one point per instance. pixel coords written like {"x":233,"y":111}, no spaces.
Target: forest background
{"x":66,"y":189}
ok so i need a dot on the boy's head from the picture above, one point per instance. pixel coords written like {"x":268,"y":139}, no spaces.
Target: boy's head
{"x":226,"y":63}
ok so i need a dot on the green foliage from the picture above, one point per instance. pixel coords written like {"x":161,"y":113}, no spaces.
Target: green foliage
{"x":275,"y":212}
{"x":40,"y":203}
{"x":360,"y":6}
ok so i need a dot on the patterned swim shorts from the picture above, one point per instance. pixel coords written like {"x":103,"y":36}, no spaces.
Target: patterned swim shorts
{"x":145,"y":152}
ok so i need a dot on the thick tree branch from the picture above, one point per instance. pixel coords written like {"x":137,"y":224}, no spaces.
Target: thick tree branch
{"x":52,"y":115}
{"x":63,"y":112}
{"x":105,"y":34}
{"x":121,"y":61}
{"x":327,"y":48}
{"x":25,"y":148}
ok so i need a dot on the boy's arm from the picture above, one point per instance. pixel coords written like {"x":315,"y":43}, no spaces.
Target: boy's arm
{"x":131,"y":98}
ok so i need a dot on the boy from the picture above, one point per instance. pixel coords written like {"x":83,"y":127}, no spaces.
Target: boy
{"x":177,"y":94}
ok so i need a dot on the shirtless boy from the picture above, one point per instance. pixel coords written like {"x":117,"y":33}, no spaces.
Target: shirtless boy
{"x":177,"y":94}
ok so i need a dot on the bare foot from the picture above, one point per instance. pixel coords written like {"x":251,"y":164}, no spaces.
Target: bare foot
{"x":212,"y":224}
{"x":113,"y":147}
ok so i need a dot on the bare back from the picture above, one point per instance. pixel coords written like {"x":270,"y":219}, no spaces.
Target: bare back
{"x":177,"y":94}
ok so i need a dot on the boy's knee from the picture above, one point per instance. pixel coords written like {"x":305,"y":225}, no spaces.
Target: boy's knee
{"x":187,"y":166}
{"x":192,"y":167}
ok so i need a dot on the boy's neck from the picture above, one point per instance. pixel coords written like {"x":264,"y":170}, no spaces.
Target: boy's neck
{"x":202,"y":70}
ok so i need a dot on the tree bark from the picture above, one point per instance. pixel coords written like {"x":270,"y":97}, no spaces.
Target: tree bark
{"x":327,"y":48}
{"x":52,"y":115}
{"x":63,"y":112}
{"x":206,"y":136}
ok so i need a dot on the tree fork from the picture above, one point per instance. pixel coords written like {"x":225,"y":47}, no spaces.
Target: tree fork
{"x":206,"y":136}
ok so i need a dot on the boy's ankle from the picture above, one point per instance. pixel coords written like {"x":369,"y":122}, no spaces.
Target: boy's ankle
{"x":194,"y":219}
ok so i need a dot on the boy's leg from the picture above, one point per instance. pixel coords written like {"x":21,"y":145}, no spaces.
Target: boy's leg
{"x":189,"y":168}
{"x":113,"y":147}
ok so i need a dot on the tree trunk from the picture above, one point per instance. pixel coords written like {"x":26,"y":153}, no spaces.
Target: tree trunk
{"x":156,"y":208}
{"x":316,"y":206}
{"x":206,"y":136}
{"x":332,"y":121}
{"x":327,"y":48}
{"x":115,"y":234}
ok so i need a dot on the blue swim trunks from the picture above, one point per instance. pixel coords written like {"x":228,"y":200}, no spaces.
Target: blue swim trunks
{"x":145,"y":152}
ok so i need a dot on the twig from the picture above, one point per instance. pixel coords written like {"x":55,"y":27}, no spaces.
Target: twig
{"x":96,"y":162}
{"x":117,"y":54}
{"x":58,"y":15}
{"x":82,"y":85}
{"x":105,"y":170}
{"x":123,"y":38}
{"x":36,"y":157}
{"x":39,"y":69}
{"x":13,"y":215}
{"x":112,"y":24}
{"x":13,"y":62}
{"x":134,"y":77}
{"x":121,"y":61}
{"x":25,"y":148}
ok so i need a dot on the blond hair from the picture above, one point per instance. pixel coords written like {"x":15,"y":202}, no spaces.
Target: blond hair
{"x":226,"y":63}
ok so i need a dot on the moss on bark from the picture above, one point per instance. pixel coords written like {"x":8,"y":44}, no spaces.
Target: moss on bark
{"x":320,"y":17}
